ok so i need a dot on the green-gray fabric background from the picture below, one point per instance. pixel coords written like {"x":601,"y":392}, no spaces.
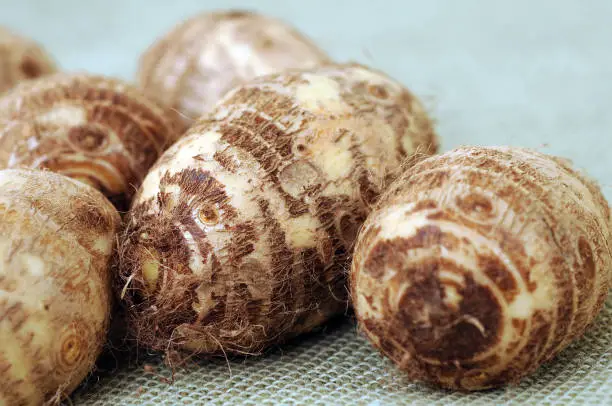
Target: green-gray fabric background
{"x":528,"y":73}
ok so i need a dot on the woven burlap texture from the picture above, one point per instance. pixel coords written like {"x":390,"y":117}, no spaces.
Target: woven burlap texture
{"x":338,"y":366}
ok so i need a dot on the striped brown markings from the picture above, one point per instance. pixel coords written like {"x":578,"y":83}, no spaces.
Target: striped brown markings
{"x":244,"y":235}
{"x":207,"y":193}
{"x":479,"y":205}
{"x":422,"y":308}
{"x":59,"y":152}
{"x":368,"y":191}
{"x":592,"y":246}
{"x":531,"y":355}
{"x":138,"y":124}
{"x":327,"y":272}
{"x":143,"y":153}
{"x":379,"y":101}
{"x":511,"y":245}
{"x":156,"y":316}
{"x":394,"y":107}
{"x":590,"y":184}
{"x":263,"y":100}
{"x":527,"y":177}
{"x":497,"y":272}
{"x":93,"y":90}
{"x":559,"y":266}
{"x":287,"y":298}
{"x":390,"y":253}
{"x":89,"y":139}
{"x":158,"y":128}
{"x":135,"y":136}
{"x":224,"y":159}
{"x":243,"y":134}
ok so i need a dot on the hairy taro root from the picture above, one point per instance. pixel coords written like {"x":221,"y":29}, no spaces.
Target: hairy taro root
{"x":481,"y":264}
{"x":241,"y":233}
{"x":56,"y":240}
{"x":95,"y":129}
{"x":21,"y":59}
{"x":192,"y":66}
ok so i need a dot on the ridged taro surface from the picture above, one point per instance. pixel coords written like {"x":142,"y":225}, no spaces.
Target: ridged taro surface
{"x":92,"y":128}
{"x":192,"y":66}
{"x":56,"y":240}
{"x":240,"y":235}
{"x":480,"y":264}
{"x":21,"y":59}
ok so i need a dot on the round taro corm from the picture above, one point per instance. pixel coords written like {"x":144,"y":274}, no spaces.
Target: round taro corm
{"x":240,"y":235}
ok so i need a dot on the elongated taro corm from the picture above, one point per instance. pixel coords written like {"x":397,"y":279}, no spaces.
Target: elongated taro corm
{"x":194,"y":64}
{"x":481,"y":264}
{"x":95,"y":129}
{"x":21,"y":59}
{"x":241,"y":233}
{"x":56,"y":240}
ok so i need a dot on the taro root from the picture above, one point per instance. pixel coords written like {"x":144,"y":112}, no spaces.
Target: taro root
{"x":21,"y":59}
{"x":481,"y":264}
{"x":56,"y":241}
{"x":95,"y":129}
{"x":240,"y":235}
{"x":194,"y":64}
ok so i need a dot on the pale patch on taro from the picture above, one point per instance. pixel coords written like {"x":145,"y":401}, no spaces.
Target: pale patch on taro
{"x":301,"y":232}
{"x":33,"y":263}
{"x":63,"y":115}
{"x":330,"y":151}
{"x":394,"y":223}
{"x":297,"y":177}
{"x":150,"y":267}
{"x":320,"y":95}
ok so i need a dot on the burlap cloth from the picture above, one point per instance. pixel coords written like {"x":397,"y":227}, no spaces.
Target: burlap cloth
{"x":337,"y":366}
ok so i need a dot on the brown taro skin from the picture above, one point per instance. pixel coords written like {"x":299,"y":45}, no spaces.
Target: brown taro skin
{"x":194,"y":64}
{"x":480,"y":264}
{"x":98,"y":130}
{"x":57,"y":236}
{"x":21,"y":59}
{"x":240,"y":235}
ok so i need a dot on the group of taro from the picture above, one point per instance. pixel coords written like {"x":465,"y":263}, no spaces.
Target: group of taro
{"x":225,"y":204}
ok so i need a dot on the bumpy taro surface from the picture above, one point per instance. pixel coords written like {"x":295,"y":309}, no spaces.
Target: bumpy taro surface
{"x":95,"y":129}
{"x":21,"y":59}
{"x":56,"y":240}
{"x":240,"y":235}
{"x":480,"y":264}
{"x":192,"y":66}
